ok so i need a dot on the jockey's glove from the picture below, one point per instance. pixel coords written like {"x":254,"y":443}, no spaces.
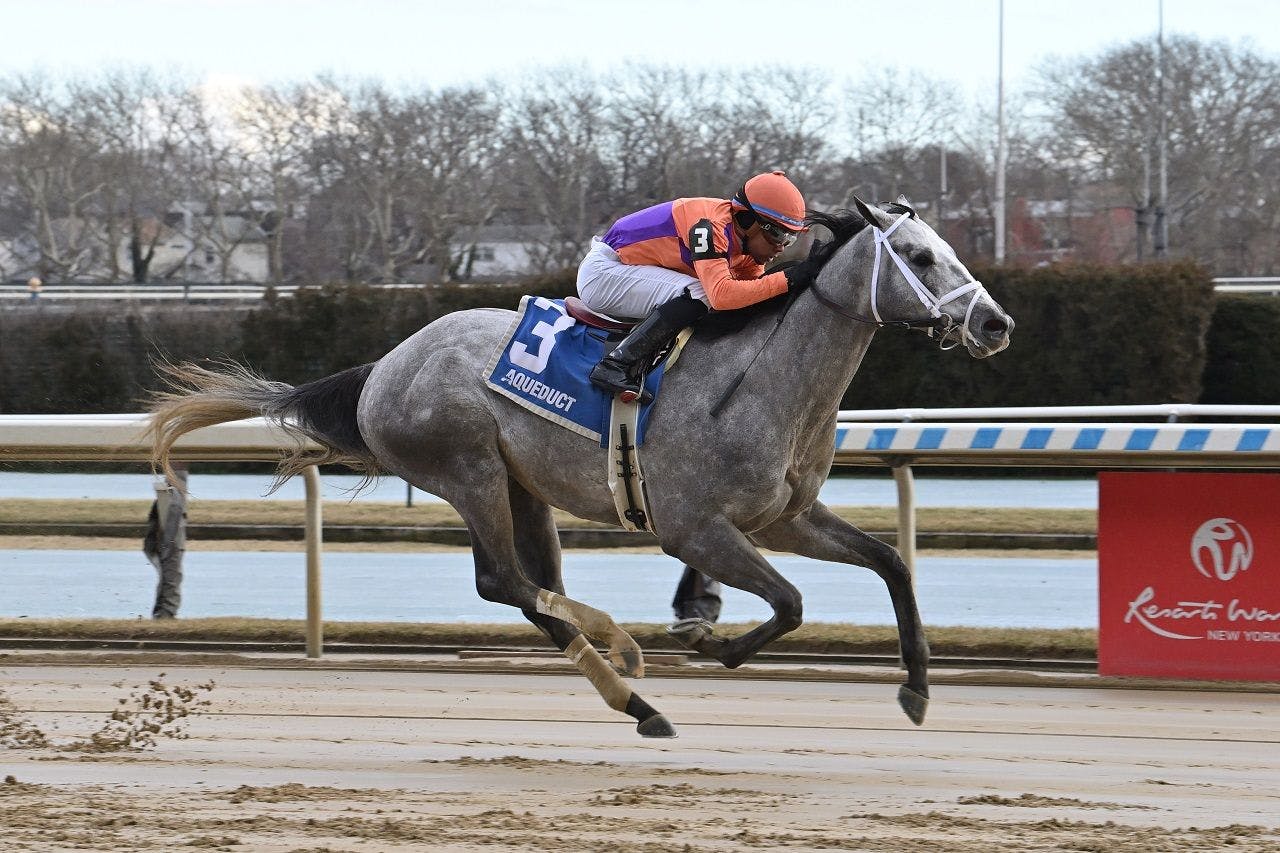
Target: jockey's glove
{"x":802,"y":273}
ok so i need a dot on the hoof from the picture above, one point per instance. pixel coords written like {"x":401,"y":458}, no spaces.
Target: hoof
{"x":656,"y":726}
{"x":690,"y":632}
{"x":913,"y":704}
{"x":697,"y":634}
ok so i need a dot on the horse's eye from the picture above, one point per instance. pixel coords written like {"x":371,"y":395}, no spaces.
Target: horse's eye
{"x":922,"y":257}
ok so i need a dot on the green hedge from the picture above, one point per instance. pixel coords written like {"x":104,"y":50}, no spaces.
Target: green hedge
{"x":96,"y":357}
{"x":1085,"y":335}
{"x":63,"y":357}
{"x":1244,"y":351}
{"x":319,"y":332}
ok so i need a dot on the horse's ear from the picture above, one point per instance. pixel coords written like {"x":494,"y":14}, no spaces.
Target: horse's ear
{"x":900,"y":206}
{"x":870,"y":214}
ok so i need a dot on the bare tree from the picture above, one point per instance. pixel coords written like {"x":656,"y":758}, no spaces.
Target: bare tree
{"x":654,"y":145}
{"x":273,"y":130}
{"x":224,"y":205}
{"x":554,"y":135}
{"x":49,"y":181}
{"x":1222,"y":108}
{"x":890,"y":117}
{"x":783,"y":123}
{"x":396,"y":175}
{"x":380,"y":184}
{"x":136,"y":121}
{"x":457,"y":143}
{"x":675,"y":132}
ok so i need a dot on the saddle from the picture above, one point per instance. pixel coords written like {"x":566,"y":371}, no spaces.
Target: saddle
{"x":542,"y":364}
{"x":578,"y":310}
{"x":617,"y":329}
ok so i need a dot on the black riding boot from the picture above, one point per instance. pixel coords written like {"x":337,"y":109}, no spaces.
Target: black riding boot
{"x":622,"y":371}
{"x":697,"y":596}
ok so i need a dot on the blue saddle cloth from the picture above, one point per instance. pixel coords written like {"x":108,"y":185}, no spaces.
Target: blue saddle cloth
{"x":543,"y":363}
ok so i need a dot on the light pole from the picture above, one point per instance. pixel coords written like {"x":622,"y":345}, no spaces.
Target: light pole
{"x":1142,"y":213}
{"x":942,"y":189}
{"x":1160,"y":239}
{"x":1000,"y":153}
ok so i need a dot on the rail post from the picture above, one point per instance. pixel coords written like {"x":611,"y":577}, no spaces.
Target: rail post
{"x":906,"y":481}
{"x":314,"y":532}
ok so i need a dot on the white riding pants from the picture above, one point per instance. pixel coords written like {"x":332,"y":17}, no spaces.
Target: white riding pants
{"x":628,"y":291}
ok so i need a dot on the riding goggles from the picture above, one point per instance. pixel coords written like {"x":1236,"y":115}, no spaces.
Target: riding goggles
{"x":776,"y":234}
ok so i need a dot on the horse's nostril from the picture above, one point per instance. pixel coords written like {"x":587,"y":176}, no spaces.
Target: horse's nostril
{"x":995,"y":326}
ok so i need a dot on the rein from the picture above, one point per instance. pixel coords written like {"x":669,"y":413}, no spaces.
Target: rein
{"x":733,"y":386}
{"x":853,"y":315}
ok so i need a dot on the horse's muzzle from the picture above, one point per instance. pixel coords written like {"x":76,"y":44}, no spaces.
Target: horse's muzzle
{"x":989,"y":330}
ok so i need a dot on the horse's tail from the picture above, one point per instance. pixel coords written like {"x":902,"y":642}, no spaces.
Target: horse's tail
{"x":324,"y":411}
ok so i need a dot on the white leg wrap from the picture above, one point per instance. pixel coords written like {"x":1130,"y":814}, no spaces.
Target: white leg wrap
{"x":602,"y":676}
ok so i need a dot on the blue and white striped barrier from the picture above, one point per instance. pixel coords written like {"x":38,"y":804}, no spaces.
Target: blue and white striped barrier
{"x":1232,"y":445}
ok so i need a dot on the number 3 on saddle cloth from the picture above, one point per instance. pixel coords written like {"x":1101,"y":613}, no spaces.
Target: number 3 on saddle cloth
{"x":543,"y":362}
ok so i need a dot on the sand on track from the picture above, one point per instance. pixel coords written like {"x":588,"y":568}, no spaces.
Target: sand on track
{"x":359,"y":759}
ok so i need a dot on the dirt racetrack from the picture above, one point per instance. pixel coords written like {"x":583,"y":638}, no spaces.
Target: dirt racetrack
{"x":365,"y":759}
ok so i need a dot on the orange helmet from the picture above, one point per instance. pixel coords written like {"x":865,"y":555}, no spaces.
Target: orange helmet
{"x":774,"y":200}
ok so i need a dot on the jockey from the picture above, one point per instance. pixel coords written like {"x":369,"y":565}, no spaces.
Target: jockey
{"x":670,"y":263}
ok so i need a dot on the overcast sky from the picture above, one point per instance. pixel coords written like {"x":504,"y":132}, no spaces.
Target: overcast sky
{"x":441,"y":43}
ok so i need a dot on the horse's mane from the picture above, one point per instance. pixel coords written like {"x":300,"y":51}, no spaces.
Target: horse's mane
{"x":844,"y":225}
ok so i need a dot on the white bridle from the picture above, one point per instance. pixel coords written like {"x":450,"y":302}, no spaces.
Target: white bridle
{"x":931,"y":303}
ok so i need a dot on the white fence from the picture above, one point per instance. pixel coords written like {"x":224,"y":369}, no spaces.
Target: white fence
{"x":168,"y":292}
{"x":106,"y":438}
{"x":1255,"y":284}
{"x":898,"y":438}
{"x":244,"y":292}
{"x":1168,"y":411}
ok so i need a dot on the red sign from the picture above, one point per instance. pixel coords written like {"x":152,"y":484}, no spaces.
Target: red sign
{"x":1189,"y":575}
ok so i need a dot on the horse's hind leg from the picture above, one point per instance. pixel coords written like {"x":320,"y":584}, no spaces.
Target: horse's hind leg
{"x":821,"y":534}
{"x":538,"y":548}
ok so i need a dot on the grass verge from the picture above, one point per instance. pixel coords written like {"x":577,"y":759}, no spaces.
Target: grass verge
{"x":378,"y":514}
{"x":829,"y":638}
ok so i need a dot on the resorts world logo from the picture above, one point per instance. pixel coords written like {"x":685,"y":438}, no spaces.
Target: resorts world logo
{"x":1221,"y":548}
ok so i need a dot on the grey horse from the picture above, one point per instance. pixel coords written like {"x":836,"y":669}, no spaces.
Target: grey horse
{"x":720,"y":487}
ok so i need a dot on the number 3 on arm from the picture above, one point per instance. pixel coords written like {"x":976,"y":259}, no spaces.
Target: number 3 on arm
{"x":702,"y":246}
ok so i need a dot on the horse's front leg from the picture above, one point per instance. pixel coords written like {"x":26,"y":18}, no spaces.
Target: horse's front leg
{"x":718,"y":549}
{"x":821,"y":534}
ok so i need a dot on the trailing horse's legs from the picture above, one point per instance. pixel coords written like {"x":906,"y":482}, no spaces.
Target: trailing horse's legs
{"x":719,"y":550}
{"x":514,"y":574}
{"x":623,"y":650}
{"x":487,"y":510}
{"x":821,"y":534}
{"x":538,"y":548}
